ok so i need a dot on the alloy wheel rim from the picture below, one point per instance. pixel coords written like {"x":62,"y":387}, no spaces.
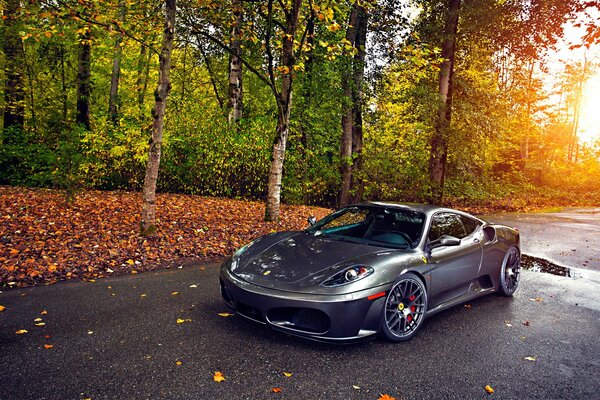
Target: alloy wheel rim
{"x":404,"y":307}
{"x":512,"y":270}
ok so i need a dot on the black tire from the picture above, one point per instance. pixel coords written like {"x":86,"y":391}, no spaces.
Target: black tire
{"x":510,"y":272}
{"x":404,"y":308}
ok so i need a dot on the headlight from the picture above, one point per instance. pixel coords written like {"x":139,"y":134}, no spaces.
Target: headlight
{"x":237,"y":254}
{"x":348,"y":275}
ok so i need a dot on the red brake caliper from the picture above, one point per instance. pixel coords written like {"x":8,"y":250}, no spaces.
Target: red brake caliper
{"x":412,"y":308}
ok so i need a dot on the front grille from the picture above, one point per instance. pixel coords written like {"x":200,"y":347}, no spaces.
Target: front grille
{"x":302,"y":319}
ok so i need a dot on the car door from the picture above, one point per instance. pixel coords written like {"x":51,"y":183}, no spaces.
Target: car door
{"x":453,"y":268}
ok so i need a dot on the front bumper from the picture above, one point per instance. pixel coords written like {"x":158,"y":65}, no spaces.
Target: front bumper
{"x":331,"y":318}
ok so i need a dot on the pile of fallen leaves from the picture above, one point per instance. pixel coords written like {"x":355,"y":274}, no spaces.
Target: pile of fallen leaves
{"x":44,"y":239}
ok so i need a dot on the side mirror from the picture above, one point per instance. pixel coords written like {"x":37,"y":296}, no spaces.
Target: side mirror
{"x":311,"y":221}
{"x":445,"y":240}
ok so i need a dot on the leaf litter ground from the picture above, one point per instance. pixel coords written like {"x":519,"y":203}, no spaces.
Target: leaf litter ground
{"x":44,"y":240}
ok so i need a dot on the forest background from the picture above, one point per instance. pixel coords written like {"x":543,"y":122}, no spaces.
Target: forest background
{"x":311,"y":102}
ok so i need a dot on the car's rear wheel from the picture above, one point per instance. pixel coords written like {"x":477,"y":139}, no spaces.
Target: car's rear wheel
{"x":510,"y":273}
{"x":404,"y":309}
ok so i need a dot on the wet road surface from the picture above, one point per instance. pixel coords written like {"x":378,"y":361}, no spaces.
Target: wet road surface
{"x":119,"y":339}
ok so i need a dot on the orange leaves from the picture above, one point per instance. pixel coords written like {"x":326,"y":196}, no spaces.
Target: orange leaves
{"x":2,"y":308}
{"x":276,"y":390}
{"x":218,"y":377}
{"x":48,"y":346}
{"x":489,"y":389}
{"x":98,"y":236}
{"x":386,"y":397}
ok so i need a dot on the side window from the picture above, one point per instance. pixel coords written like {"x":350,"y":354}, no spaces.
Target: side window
{"x":470,"y":224}
{"x":446,"y":224}
{"x":350,"y":217}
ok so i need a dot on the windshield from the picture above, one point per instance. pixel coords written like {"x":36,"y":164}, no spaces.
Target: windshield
{"x":386,"y":227}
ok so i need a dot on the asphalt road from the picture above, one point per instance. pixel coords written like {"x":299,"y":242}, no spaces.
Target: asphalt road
{"x":570,"y":237}
{"x":118,"y":338}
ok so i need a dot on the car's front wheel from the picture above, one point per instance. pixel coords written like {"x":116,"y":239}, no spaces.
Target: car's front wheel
{"x":404,"y":309}
{"x":510,"y":272}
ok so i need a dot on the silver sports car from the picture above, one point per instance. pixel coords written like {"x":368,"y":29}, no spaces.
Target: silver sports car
{"x":370,"y":268}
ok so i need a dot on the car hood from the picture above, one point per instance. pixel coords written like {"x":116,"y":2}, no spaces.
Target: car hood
{"x":300,"y":260}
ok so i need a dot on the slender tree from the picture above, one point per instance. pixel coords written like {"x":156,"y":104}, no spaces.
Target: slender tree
{"x":113,"y":100}
{"x":148,"y":223}
{"x":236,"y":104}
{"x":84,"y":78}
{"x":14,"y":108}
{"x":439,"y":140}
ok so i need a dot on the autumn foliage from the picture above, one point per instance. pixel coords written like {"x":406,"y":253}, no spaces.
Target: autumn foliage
{"x":43,"y":239}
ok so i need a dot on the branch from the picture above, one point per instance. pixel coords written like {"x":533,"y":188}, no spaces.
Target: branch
{"x":212,"y":78}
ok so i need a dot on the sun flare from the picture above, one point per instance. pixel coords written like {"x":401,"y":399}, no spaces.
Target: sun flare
{"x":589,"y":131}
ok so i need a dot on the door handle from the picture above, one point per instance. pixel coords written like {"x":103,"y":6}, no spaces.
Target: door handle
{"x":476,"y":240}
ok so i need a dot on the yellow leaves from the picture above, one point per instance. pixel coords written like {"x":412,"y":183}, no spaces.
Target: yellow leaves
{"x":218,"y":377}
{"x":284,"y":69}
{"x":225,"y":314}
{"x":37,"y":320}
{"x":386,"y":397}
{"x":130,"y":262}
{"x":178,"y":362}
{"x":287,"y":374}
{"x":529,"y":358}
{"x":40,"y":324}
{"x":174,"y":293}
{"x":334,"y":27}
{"x":181,"y":321}
{"x":2,"y":308}
{"x":537,"y":299}
{"x":48,"y":346}
{"x":21,"y":332}
{"x":489,"y":389}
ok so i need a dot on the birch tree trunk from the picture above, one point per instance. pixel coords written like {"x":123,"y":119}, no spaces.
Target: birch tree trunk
{"x":14,"y":96}
{"x":236,"y":105}
{"x":284,"y":99}
{"x":439,"y":140}
{"x":148,"y":223}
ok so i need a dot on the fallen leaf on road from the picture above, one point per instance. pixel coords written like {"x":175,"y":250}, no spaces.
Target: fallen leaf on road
{"x":218,"y":377}
{"x":40,"y":324}
{"x":225,"y":314}
{"x":178,"y":363}
{"x":193,"y":286}
{"x":48,"y":346}
{"x":356,"y":387}
{"x":530,"y":358}
{"x":143,"y":295}
{"x":47,"y":336}
{"x":538,"y":299}
{"x":287,"y":374}
{"x":133,"y":271}
{"x":44,"y":312}
{"x":37,"y":320}
{"x":489,"y":389}
{"x":468,"y":306}
{"x":526,"y":323}
{"x":275,"y":390}
{"x":90,"y":332}
{"x":21,"y":332}
{"x":174,"y":293}
{"x":507,"y":323}
{"x":2,"y":308}
{"x":386,"y":397}
{"x":180,"y":321}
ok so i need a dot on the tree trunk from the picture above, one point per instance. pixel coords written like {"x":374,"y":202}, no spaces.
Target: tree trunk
{"x":284,"y":99}
{"x":352,"y":129}
{"x":439,"y":141}
{"x":84,"y":83}
{"x":347,"y":117}
{"x":14,"y":96}
{"x":148,"y":223}
{"x":236,"y":105}
{"x":113,"y":100}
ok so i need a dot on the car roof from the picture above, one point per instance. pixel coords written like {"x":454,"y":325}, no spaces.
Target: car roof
{"x":427,"y":209}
